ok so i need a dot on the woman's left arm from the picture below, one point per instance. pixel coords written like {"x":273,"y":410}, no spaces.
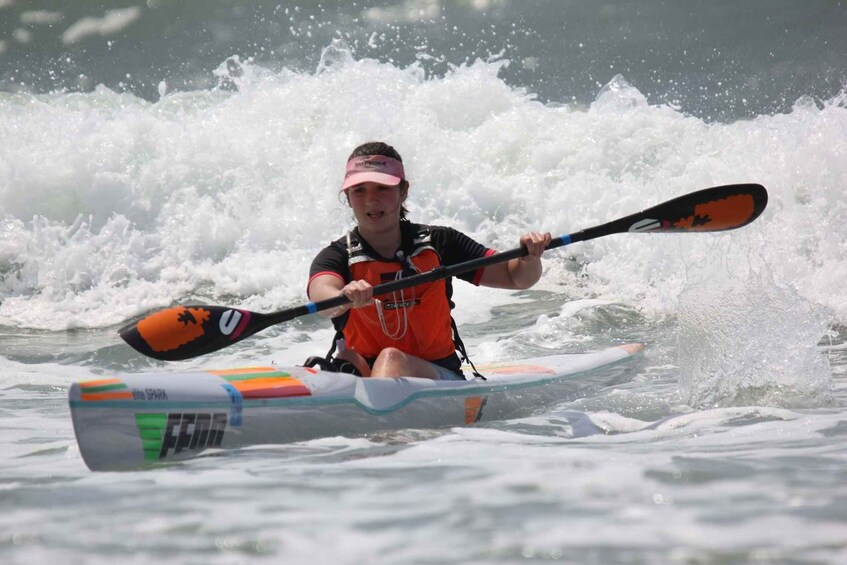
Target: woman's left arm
{"x":520,"y":273}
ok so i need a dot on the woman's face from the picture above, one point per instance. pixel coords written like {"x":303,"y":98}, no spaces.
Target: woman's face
{"x":376,"y":206}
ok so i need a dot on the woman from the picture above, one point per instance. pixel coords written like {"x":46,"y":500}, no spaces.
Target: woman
{"x":408,"y":333}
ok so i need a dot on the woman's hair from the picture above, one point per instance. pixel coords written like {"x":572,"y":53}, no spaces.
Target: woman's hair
{"x":380,"y":148}
{"x":375,"y":148}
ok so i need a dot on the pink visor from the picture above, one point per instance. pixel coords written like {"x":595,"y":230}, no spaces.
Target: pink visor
{"x":373,"y":168}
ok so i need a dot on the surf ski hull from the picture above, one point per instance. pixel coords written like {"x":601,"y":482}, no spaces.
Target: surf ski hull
{"x":133,"y":420}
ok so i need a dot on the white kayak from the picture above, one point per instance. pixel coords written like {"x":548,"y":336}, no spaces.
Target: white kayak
{"x":134,"y":420}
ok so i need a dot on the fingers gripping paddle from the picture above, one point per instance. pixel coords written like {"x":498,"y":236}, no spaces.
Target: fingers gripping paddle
{"x":184,"y":332}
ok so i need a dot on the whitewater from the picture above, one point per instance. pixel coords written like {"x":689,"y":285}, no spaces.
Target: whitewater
{"x":725,"y":445}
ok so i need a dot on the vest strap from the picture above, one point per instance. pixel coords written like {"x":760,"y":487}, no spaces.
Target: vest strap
{"x":460,"y":347}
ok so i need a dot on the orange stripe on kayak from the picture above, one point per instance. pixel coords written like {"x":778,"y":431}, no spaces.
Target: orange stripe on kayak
{"x":244,"y":371}
{"x":266,"y":383}
{"x":101,"y":382}
{"x":123,"y":395}
{"x":271,"y":387}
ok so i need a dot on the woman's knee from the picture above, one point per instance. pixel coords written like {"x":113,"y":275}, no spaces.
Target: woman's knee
{"x":390,"y":362}
{"x":393,"y":362}
{"x":392,"y":355}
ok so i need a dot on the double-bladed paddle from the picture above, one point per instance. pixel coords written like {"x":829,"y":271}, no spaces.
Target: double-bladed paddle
{"x":184,"y":332}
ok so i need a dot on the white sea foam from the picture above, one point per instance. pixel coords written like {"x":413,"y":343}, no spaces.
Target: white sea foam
{"x":41,"y":17}
{"x":112,"y":22}
{"x":112,"y":206}
{"x":746,"y":339}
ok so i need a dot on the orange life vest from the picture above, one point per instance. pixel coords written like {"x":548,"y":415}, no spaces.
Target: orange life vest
{"x":415,"y":320}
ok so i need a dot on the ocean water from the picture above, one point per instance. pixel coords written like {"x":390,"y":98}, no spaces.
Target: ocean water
{"x":165,"y":152}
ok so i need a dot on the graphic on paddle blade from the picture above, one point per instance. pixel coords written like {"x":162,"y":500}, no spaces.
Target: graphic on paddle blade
{"x":713,"y":209}
{"x":182,"y":332}
{"x":169,"y":329}
{"x":725,"y":213}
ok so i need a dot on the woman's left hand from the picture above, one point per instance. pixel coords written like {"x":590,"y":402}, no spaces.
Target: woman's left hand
{"x":535,"y":243}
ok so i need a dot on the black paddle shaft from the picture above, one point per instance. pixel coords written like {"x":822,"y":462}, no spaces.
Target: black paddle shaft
{"x":184,"y":332}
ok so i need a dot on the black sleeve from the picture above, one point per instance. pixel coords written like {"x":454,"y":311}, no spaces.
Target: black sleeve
{"x":455,"y":247}
{"x":331,"y":259}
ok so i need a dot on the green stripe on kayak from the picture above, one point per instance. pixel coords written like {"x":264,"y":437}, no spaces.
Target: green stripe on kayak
{"x":250,"y":376}
{"x":103,"y":388}
{"x":151,"y":428}
{"x":150,"y":433}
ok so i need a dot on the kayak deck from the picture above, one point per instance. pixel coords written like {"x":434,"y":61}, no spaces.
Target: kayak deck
{"x":134,"y":420}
